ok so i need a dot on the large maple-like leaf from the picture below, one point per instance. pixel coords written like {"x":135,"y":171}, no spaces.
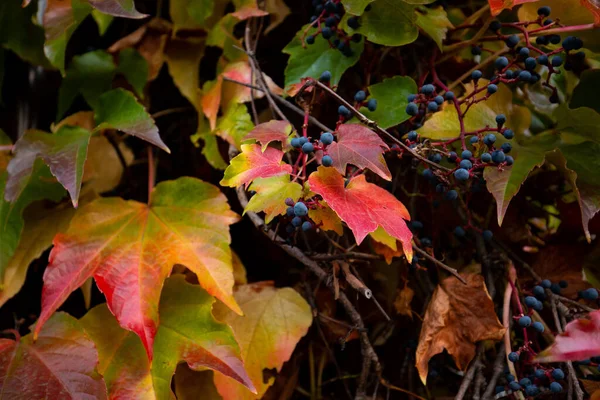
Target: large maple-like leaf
{"x":252,"y":163}
{"x":361,"y":147}
{"x":130,"y":248}
{"x":272,"y":131}
{"x":579,"y":341}
{"x":64,"y":152}
{"x":274,"y":321}
{"x":271,"y":194}
{"x":363,"y":206}
{"x":60,"y":364}
{"x":457,"y":317}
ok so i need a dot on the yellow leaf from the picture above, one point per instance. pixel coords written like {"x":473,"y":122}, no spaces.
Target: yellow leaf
{"x":328,"y":219}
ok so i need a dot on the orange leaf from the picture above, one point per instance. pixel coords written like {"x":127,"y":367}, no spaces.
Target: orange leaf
{"x":252,"y":163}
{"x":457,"y":317}
{"x":363,"y":206}
{"x":497,"y":6}
{"x":272,"y":131}
{"x":403,"y":300}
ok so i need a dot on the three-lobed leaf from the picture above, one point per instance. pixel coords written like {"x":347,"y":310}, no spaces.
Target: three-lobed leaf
{"x":60,"y":364}
{"x":363,"y":206}
{"x":130,"y":248}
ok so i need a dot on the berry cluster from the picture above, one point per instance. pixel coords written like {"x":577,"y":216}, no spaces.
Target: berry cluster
{"x":298,"y":214}
{"x":426,"y":100}
{"x":534,"y":383}
{"x":327,"y":16}
{"x":304,"y":144}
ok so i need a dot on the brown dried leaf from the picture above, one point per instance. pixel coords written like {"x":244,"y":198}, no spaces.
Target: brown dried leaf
{"x":403,"y":300}
{"x":457,"y":317}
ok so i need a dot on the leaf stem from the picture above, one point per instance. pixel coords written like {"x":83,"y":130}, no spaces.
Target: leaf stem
{"x":151,"y":172}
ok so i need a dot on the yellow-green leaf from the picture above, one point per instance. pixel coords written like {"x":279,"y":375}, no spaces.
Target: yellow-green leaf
{"x":271,"y":194}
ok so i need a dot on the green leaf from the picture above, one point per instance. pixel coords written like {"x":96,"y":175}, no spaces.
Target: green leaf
{"x":134,"y":68}
{"x":90,"y":74}
{"x":577,"y":125}
{"x":585,"y":93}
{"x":64,"y":152}
{"x":391,"y":96}
{"x":19,"y":34}
{"x":316,"y":58}
{"x":271,"y":194}
{"x":102,"y":20}
{"x":60,"y":19}
{"x":444,"y":124}
{"x":434,"y":22}
{"x":190,"y":14}
{"x":211,"y":151}
{"x":235,"y":125}
{"x":118,"y":109}
{"x":40,"y":186}
{"x":189,"y":332}
{"x":388,"y":22}
{"x":356,"y":7}
{"x":118,"y":8}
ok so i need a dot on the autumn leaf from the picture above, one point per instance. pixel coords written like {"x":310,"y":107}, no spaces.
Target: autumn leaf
{"x":385,"y":245}
{"x":234,"y":125}
{"x":183,"y":59}
{"x":274,"y":321}
{"x":457,"y":317}
{"x":579,"y":341}
{"x":64,"y":152}
{"x":60,"y":364}
{"x":363,"y":206}
{"x":118,"y":8}
{"x":130,"y":248}
{"x":118,"y":109}
{"x":361,"y":147}
{"x":188,"y":332}
{"x":435,"y":23}
{"x":252,"y":163}
{"x":272,"y":131}
{"x":403,"y":300}
{"x":134,"y":68}
{"x":271,"y":194}
{"x":326,"y":218}
{"x":497,"y":6}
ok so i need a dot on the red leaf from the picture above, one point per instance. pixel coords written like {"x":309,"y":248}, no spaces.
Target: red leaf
{"x":497,"y":6}
{"x":252,"y":163}
{"x":580,"y":340}
{"x":359,"y":146}
{"x":363,"y":206}
{"x":59,"y":365}
{"x":272,"y":131}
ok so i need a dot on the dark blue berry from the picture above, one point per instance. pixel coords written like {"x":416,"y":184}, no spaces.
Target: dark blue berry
{"x":300,"y":209}
{"x":541,"y":40}
{"x":459,"y":231}
{"x":556,"y":387}
{"x":508,"y":74}
{"x":411,"y":97}
{"x":313,"y":18}
{"x":466,"y":164}
{"x":524,"y":52}
{"x":530,"y":301}
{"x":530,"y":63}
{"x":532,"y":390}
{"x":307,"y":226}
{"x":525,"y":382}
{"x":540,"y":373}
{"x":542,"y":60}
{"x":491,"y":89}
{"x":524,"y":321}
{"x":330,"y":21}
{"x":538,"y":291}
{"x":487,"y":235}
{"x":439,"y":100}
{"x":546,"y":283}
{"x":512,"y":41}
{"x":353,"y":22}
{"x":302,"y":140}
{"x":514,"y":385}
{"x":344,"y":112}
{"x":476,"y":50}
{"x":499,"y":389}
{"x":557,"y":61}
{"x":506,"y":147}
{"x":451,"y":195}
{"x":436,"y":158}
{"x":295,"y":142}
{"x":325,"y":76}
{"x":452,"y":156}
{"x":327,"y":161}
{"x":486,"y":157}
{"x":427,"y":89}
{"x":513,"y":357}
{"x":508,"y":134}
{"x":289,"y":211}
{"x":428,"y":173}
{"x":326,"y":32}
{"x":476,"y":75}
{"x":524,"y":76}
{"x":563,"y":284}
{"x":461,"y":174}
{"x":498,"y":157}
{"x":544,"y":11}
{"x":412,"y":136}
{"x":474,"y":139}
{"x":296,"y":221}
{"x":326,"y":138}
{"x":558,"y":374}
{"x":538,"y":326}
{"x":416,"y":225}
{"x":308,"y":148}
{"x":500,"y":119}
{"x":360,"y":96}
{"x":466,"y":154}
{"x":539,"y":306}
{"x":449,"y":96}
{"x":310,"y":39}
{"x":372,"y":105}
{"x":554,"y":39}
{"x":555,"y":288}
{"x":289,"y":202}
{"x":509,"y":161}
{"x":495,"y":25}
{"x":412,"y":109}
{"x":590,"y":294}
{"x":432,"y":106}
{"x":489,"y":139}
{"x":510,"y":378}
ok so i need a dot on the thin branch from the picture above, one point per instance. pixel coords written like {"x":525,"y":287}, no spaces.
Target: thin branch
{"x":498,"y":369}
{"x":343,"y":256}
{"x":574,"y":303}
{"x":151,"y":171}
{"x":170,"y":111}
{"x":439,"y":264}
{"x":468,"y":379}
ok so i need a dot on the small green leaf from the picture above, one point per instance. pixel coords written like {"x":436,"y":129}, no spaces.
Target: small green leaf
{"x":134,"y":68}
{"x":585,"y":93}
{"x":434,"y":22}
{"x":91,"y":75}
{"x":190,"y":14}
{"x":102,"y":20}
{"x":388,"y":22}
{"x":64,"y":152}
{"x":356,"y":7}
{"x":189,"y":332}
{"x":316,"y":58}
{"x":19,"y":34}
{"x":235,"y":125}
{"x":118,"y":109}
{"x":391,"y":96}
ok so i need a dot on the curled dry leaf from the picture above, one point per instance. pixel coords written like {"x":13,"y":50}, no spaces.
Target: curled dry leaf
{"x":403,"y":300}
{"x":457,"y":317}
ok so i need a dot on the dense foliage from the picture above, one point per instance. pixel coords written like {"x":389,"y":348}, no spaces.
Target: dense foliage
{"x":285,"y":199}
